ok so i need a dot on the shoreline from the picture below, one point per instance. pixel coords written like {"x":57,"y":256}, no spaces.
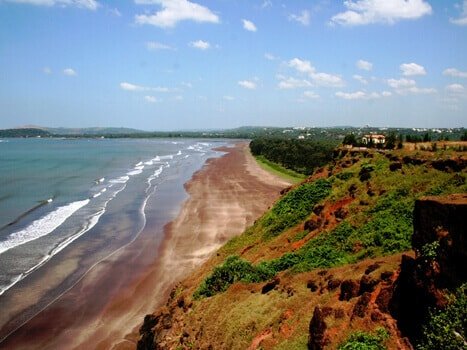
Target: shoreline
{"x":224,"y":197}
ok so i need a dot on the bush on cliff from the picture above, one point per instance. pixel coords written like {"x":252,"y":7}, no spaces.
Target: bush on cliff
{"x":294,"y":207}
{"x":447,"y":329}
{"x":233,"y":270}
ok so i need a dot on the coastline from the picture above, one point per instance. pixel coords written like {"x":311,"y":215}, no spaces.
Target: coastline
{"x":224,"y":197}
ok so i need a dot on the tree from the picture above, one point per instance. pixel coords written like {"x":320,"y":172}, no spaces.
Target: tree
{"x":391,"y":141}
{"x":350,"y":139}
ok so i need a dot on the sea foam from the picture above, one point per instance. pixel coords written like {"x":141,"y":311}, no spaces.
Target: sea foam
{"x":42,"y":227}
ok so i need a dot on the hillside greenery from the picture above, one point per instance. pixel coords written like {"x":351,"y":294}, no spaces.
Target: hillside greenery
{"x":379,"y":222}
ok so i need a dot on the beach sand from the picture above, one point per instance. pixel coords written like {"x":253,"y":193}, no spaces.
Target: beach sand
{"x":107,"y":307}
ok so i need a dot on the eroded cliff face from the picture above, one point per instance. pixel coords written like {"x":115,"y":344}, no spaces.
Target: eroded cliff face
{"x":440,"y":244}
{"x":321,"y":307}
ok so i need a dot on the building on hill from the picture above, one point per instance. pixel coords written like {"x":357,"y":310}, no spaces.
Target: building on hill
{"x":374,"y":139}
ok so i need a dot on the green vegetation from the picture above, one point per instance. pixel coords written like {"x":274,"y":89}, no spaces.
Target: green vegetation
{"x":233,"y":270}
{"x":366,"y":341}
{"x":294,"y":207}
{"x":25,"y":132}
{"x":377,"y":222}
{"x":447,"y":329}
{"x":301,"y":156}
{"x":280,"y":171}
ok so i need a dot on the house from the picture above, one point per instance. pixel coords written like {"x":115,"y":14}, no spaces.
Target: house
{"x":374,"y":139}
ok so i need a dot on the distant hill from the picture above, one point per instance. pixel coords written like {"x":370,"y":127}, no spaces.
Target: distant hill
{"x":91,"y":131}
{"x":24,"y":132}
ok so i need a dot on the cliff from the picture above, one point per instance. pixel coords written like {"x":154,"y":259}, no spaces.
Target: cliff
{"x":356,"y":254}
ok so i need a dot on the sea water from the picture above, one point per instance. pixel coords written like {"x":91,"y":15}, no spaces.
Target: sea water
{"x":54,"y":192}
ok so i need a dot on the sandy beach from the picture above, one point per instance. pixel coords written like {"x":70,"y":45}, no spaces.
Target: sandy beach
{"x":105,"y":309}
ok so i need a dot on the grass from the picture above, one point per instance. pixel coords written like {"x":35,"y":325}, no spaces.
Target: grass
{"x":381,"y":227}
{"x":278,"y":170}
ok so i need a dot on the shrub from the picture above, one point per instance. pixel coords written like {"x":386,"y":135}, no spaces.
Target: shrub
{"x":366,"y":341}
{"x":294,"y":207}
{"x":233,"y":270}
{"x":447,"y":329}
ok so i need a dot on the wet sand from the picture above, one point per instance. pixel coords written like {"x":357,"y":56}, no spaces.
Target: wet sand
{"x":108,"y":305}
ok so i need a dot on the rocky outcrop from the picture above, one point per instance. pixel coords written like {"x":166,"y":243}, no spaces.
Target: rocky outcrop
{"x":440,"y":244}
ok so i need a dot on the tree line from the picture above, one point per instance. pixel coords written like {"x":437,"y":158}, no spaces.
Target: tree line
{"x":302,"y":156}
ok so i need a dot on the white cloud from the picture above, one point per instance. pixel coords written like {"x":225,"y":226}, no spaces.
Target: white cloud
{"x":358,"y":95}
{"x":154,"y":46}
{"x":115,"y":12}
{"x":453,"y":72}
{"x":410,"y":69}
{"x":187,"y":85}
{"x":249,"y":25}
{"x":360,"y":79}
{"x":247,"y":84}
{"x":364,"y":65}
{"x":270,"y":56}
{"x":266,"y":4}
{"x":86,"y":4}
{"x":462,"y":19}
{"x":150,"y":99}
{"x":287,"y":83}
{"x":302,"y":66}
{"x":200,"y":44}
{"x":174,"y":11}
{"x":229,"y":98}
{"x":69,"y":71}
{"x":317,"y":78}
{"x":47,"y":70}
{"x":361,"y":12}
{"x":310,"y":94}
{"x":362,"y":95}
{"x":408,"y":86}
{"x":302,"y":18}
{"x":455,"y":88}
{"x":133,"y":87}
{"x":325,"y":79}
{"x":401,"y":83}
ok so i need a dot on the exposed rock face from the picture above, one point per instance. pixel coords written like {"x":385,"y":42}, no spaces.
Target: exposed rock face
{"x":317,"y":339}
{"x":421,"y":280}
{"x":444,"y":219}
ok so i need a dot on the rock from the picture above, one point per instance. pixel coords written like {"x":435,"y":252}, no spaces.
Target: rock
{"x":313,"y":223}
{"x":386,"y":275}
{"x":372,"y":268}
{"x":341,"y":214}
{"x":422,"y":279}
{"x":352,"y":189}
{"x":318,"y":209}
{"x":361,"y":306}
{"x":317,"y":329}
{"x":311,"y":285}
{"x":270,"y":285}
{"x":449,"y":165}
{"x":339,"y":313}
{"x":413,"y":161}
{"x":334,"y":283}
{"x":444,"y":219}
{"x":367,"y":284}
{"x":349,"y":290}
{"x":395,"y":166}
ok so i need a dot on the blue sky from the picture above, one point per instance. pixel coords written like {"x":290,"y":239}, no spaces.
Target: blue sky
{"x":179,"y":64}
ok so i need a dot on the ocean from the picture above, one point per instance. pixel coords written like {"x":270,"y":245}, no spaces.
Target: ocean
{"x":96,"y":194}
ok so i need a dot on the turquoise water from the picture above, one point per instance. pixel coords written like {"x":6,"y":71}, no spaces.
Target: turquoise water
{"x":54,"y":192}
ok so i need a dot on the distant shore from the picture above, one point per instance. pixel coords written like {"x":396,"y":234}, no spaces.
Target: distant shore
{"x":225,"y":197}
